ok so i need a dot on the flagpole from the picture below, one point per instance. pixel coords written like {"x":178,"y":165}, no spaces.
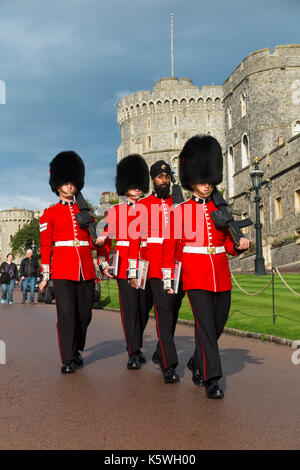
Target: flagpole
{"x":172,"y":50}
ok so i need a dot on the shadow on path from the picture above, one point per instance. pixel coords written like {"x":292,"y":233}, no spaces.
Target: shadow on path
{"x":233,"y":360}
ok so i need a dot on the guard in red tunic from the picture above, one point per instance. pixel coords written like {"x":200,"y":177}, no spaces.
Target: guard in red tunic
{"x":205,"y":269}
{"x":132,"y":181}
{"x":152,"y":218}
{"x":66,"y":257}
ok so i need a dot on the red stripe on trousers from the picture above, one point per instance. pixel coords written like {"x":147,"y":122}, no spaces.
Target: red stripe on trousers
{"x":159,"y":337}
{"x":122,"y":315}
{"x":58,"y":334}
{"x":199,"y":337}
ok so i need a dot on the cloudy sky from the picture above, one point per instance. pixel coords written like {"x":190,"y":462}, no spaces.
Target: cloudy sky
{"x":66,"y":63}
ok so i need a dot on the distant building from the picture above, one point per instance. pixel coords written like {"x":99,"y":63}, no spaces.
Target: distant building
{"x":107,"y":197}
{"x":11,"y":221}
{"x":106,"y":200}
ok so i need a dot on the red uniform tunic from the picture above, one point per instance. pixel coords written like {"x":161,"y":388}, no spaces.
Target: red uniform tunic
{"x":118,"y":221}
{"x":149,"y":226}
{"x":191,"y":222}
{"x":59,"y":224}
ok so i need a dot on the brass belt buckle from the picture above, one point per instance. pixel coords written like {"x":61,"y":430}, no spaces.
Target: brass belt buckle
{"x":76,"y":243}
{"x":211,"y":250}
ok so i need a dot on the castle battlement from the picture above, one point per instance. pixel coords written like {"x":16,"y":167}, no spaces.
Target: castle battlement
{"x":264,"y":60}
{"x":14,"y":214}
{"x":168,"y":95}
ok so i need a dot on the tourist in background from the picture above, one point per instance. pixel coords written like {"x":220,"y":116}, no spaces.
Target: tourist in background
{"x":29,"y":274}
{"x":9,"y":277}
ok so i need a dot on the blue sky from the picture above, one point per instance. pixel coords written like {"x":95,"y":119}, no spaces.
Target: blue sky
{"x":66,"y":63}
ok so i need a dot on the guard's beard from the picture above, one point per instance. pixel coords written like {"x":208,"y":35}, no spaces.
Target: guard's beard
{"x":162,"y":190}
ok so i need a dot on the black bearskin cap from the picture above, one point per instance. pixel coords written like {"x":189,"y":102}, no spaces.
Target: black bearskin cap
{"x":132,"y":173}
{"x":200,"y":161}
{"x":66,"y":167}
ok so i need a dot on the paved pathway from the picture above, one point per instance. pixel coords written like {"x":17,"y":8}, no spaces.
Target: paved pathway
{"x":105,"y":406}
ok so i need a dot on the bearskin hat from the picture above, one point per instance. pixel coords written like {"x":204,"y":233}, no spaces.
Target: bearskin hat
{"x":132,"y":173}
{"x":66,"y":167}
{"x":200,"y":161}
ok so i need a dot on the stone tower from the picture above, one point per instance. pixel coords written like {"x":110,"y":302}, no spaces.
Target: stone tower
{"x":11,"y":221}
{"x":262,"y":118}
{"x":157,"y":124}
{"x":260,"y":111}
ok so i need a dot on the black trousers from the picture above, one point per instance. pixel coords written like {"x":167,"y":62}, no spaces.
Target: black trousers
{"x":134,"y":314}
{"x":74,"y":301}
{"x":211,"y":311}
{"x":166,"y":308}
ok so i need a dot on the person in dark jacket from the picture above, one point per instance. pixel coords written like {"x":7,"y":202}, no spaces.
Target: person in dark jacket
{"x":29,"y":274}
{"x":8,"y":287}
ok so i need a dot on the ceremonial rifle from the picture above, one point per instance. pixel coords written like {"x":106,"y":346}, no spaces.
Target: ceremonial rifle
{"x":177,"y":195}
{"x":222,"y":218}
{"x":85,"y":217}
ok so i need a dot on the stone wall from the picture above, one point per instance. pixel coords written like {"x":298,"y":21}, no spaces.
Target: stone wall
{"x":280,"y":256}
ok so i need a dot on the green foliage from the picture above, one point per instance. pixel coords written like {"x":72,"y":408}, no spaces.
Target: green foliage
{"x":22,"y":240}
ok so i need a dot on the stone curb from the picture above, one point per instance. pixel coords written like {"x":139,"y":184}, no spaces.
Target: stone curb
{"x":235,"y":332}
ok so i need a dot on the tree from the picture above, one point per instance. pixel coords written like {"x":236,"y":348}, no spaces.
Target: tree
{"x":22,"y":240}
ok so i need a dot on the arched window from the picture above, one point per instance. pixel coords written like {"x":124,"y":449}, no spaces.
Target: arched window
{"x":132,"y":145}
{"x":175,"y":120}
{"x":149,"y":143}
{"x":243,"y":105}
{"x":229,"y":117}
{"x":175,"y":140}
{"x":148,"y":123}
{"x":230,"y":167}
{"x":296,"y":127}
{"x":245,"y":151}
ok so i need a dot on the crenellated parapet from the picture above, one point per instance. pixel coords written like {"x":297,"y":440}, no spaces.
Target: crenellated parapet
{"x":170,"y":95}
{"x":157,"y":124}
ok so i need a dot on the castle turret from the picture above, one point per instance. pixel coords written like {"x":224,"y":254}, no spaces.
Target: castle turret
{"x":156,"y":125}
{"x":11,"y":221}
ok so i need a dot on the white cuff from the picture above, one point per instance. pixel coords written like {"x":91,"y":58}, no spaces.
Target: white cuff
{"x":167,"y":280}
{"x":46,"y":272}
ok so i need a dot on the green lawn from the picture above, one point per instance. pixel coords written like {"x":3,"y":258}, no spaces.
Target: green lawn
{"x":249,"y":313}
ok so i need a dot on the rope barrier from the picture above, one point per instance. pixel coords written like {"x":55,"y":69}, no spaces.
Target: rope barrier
{"x":251,"y":293}
{"x":284,"y":282}
{"x":266,"y":286}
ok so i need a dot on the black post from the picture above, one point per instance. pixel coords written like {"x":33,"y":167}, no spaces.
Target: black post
{"x":259,"y":259}
{"x":256,"y":176}
{"x":273,"y":296}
